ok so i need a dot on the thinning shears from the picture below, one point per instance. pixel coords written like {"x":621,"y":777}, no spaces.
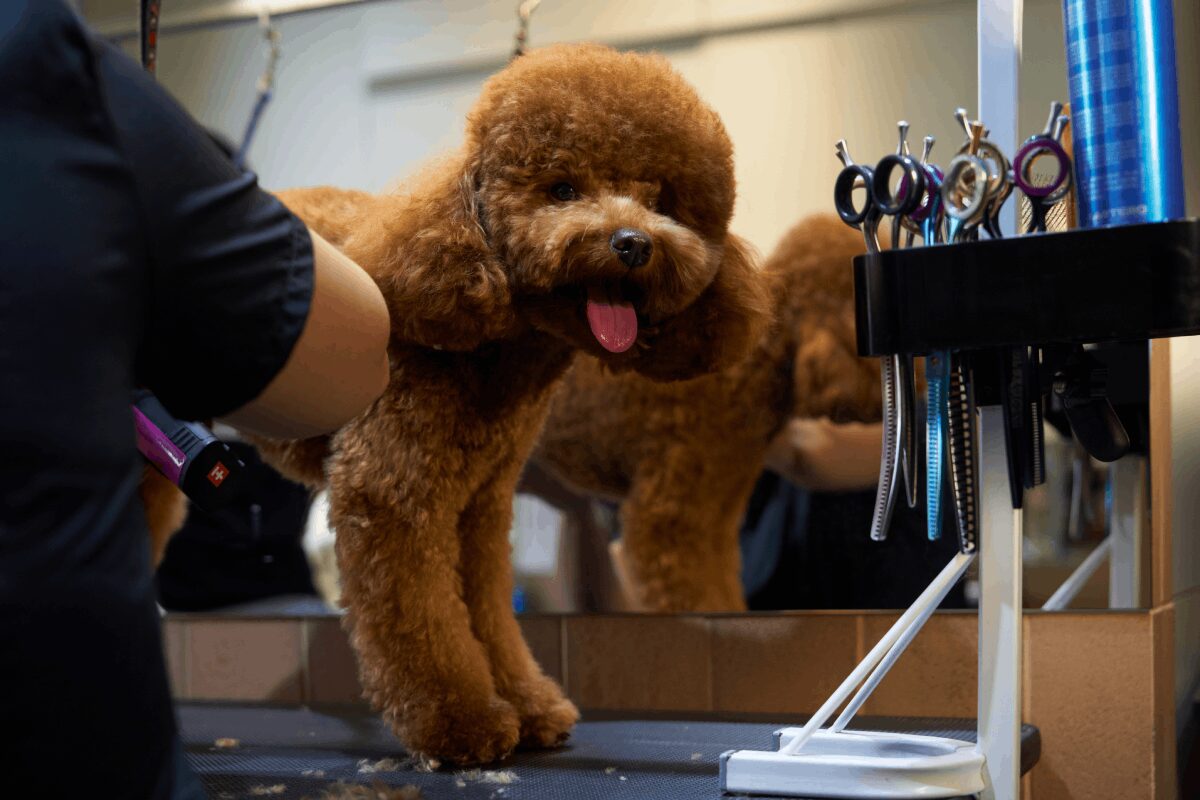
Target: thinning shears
{"x":865,"y":215}
{"x":972,"y":194}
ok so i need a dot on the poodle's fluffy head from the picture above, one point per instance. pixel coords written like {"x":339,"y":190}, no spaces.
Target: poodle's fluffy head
{"x":602,"y":187}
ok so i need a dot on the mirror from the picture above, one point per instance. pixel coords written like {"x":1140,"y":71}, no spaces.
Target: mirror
{"x":367,"y":92}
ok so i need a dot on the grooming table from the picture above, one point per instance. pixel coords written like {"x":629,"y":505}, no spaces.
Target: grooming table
{"x":646,"y":759}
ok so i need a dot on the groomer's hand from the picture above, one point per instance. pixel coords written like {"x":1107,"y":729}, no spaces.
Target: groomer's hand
{"x":821,"y":456}
{"x":339,"y":365}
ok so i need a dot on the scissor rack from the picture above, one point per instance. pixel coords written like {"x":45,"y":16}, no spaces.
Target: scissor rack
{"x":1085,"y":286}
{"x":1082,"y":286}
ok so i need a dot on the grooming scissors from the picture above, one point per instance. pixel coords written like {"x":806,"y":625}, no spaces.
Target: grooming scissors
{"x":1046,"y":144}
{"x":927,"y":220}
{"x":866,"y":218}
{"x":969,"y":195}
{"x":908,"y":197}
{"x":1000,"y":184}
{"x":1021,"y":394}
{"x":967,"y":191}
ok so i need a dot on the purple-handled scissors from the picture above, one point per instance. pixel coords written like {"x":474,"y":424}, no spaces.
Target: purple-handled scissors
{"x":1045,"y":189}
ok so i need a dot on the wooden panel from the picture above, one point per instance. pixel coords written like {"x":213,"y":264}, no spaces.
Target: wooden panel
{"x":332,"y":668}
{"x":1162,"y":622}
{"x":937,"y":676}
{"x":176,"y":651}
{"x":543,"y":634}
{"x":1090,"y":691}
{"x":639,"y":662}
{"x":1161,"y":491}
{"x":1186,"y":653}
{"x":787,"y":664}
{"x":252,"y":660}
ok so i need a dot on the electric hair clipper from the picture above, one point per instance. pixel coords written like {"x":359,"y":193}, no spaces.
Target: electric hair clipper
{"x":186,"y":453}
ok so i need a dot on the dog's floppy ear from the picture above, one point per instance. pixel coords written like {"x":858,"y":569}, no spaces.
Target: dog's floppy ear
{"x":718,"y":329}
{"x":427,"y":251}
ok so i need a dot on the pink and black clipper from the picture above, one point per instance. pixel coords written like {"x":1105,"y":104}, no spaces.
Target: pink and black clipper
{"x":187,"y":453}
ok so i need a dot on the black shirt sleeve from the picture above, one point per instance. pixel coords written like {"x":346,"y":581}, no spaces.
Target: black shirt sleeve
{"x":230,"y":268}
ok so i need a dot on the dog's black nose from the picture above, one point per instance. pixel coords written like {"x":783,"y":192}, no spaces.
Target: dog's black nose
{"x":631,"y":246}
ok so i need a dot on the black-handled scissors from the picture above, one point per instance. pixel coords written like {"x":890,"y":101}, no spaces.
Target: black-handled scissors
{"x":899,"y":203}
{"x":909,"y":193}
{"x":852,"y":177}
{"x":866,"y":216}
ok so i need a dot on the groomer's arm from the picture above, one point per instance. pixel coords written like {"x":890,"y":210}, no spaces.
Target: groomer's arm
{"x":822,"y":456}
{"x":338,"y":366}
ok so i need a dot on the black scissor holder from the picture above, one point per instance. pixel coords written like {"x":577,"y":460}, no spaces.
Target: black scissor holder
{"x":1083,"y":286}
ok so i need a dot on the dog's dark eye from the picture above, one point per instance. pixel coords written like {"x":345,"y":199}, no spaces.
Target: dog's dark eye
{"x":665,"y":202}
{"x":563,"y":191}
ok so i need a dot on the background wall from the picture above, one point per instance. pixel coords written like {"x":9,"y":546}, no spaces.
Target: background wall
{"x":367,"y":91}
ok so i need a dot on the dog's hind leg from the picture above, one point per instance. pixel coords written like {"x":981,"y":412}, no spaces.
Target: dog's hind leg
{"x":679,"y":534}
{"x":395,"y":506}
{"x":546,"y":715}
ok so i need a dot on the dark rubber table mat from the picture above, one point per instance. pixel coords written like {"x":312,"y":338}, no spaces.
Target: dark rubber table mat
{"x":293,"y":753}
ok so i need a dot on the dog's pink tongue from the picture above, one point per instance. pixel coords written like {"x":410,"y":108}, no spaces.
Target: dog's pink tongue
{"x":613,"y":320}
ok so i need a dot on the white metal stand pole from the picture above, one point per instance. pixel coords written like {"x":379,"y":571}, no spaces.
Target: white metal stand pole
{"x":999,"y":615}
{"x":1125,"y":477}
{"x":999,"y":58}
{"x":999,"y":62}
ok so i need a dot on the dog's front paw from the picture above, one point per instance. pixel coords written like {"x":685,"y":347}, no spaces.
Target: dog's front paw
{"x":550,"y":727}
{"x":463,"y":733}
{"x":546,"y":716}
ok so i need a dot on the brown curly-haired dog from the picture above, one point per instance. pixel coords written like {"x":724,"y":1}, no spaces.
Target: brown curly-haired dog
{"x":683,"y":457}
{"x":587,"y":211}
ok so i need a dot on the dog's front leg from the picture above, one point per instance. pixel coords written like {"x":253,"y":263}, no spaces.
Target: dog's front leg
{"x":395,"y":502}
{"x":546,"y":715}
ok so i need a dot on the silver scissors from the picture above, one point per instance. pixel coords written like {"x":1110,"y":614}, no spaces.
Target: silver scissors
{"x":866,"y":216}
{"x":969,"y":195}
{"x":965,"y":190}
{"x":1000,"y":184}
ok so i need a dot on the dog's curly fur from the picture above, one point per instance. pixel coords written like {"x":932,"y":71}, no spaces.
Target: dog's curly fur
{"x":683,"y":458}
{"x":165,"y":507}
{"x":485,"y":276}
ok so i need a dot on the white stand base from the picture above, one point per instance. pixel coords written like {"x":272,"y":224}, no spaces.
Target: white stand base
{"x":857,"y":764}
